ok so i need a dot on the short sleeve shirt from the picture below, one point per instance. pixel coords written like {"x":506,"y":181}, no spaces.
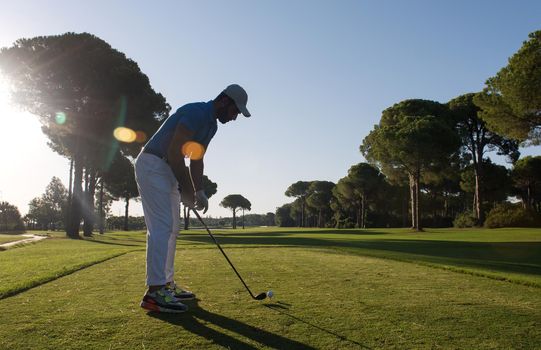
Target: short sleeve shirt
{"x":198,"y":117}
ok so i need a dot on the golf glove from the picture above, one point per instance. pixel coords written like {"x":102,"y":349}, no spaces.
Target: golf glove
{"x":201,"y":201}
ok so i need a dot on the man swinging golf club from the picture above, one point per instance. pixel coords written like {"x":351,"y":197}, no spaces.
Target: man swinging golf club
{"x":160,"y":170}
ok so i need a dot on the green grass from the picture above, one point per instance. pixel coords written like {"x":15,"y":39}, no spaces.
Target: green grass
{"x":353,"y":289}
{"x":6,"y":238}
{"x":25,"y":267}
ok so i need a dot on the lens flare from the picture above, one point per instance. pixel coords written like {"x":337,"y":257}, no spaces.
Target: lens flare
{"x":193,"y":150}
{"x":123,"y":134}
{"x":60,"y":118}
{"x":140,"y":136}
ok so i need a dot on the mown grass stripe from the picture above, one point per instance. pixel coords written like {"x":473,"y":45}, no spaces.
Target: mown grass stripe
{"x":40,"y":281}
{"x":473,"y":272}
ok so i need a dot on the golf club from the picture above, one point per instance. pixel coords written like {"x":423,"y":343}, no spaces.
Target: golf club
{"x":260,"y":296}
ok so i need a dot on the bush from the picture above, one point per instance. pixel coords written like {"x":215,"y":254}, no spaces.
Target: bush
{"x":512,"y":215}
{"x":465,"y":219}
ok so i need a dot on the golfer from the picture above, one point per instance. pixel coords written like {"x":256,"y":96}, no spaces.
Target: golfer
{"x":160,"y":170}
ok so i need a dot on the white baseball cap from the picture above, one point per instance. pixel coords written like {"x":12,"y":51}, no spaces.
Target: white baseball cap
{"x":239,"y":96}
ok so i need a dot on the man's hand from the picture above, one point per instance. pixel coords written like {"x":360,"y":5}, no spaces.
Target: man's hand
{"x":201,"y":201}
{"x":188,"y":199}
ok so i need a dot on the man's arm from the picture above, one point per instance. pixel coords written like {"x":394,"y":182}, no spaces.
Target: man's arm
{"x":175,"y":158}
{"x":196,"y":167}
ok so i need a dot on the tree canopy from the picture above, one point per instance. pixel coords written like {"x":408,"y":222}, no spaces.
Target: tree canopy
{"x":412,"y":137}
{"x":236,"y":202}
{"x":82,"y":90}
{"x":511,"y":100}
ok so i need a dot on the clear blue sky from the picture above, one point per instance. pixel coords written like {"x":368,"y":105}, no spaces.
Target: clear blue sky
{"x":318,"y":74}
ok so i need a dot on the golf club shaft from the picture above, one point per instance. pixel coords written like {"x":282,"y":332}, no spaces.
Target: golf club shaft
{"x":226,"y":258}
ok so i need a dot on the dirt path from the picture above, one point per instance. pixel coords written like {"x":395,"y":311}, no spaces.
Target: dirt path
{"x":31,"y":238}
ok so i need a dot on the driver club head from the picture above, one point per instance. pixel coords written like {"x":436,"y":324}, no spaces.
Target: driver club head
{"x":261,"y":296}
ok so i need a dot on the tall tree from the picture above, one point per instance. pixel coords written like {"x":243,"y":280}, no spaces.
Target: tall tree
{"x":496,"y":185}
{"x":236,"y":202}
{"x":120,"y":183}
{"x":56,"y":197}
{"x":49,"y":210}
{"x":320,"y":199}
{"x":526,"y":176}
{"x":366,"y":181}
{"x":299,"y":190}
{"x":283,"y":216}
{"x":511,"y":100}
{"x":412,"y":136}
{"x":10,"y":218}
{"x":476,"y":140}
{"x":82,"y":90}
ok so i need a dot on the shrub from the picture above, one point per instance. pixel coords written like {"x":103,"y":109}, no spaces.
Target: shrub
{"x":465,"y":219}
{"x":512,"y":215}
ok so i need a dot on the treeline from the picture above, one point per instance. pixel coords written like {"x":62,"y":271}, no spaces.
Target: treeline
{"x":428,"y":163}
{"x":248,"y":220}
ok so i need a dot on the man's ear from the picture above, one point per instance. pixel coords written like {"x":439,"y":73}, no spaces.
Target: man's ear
{"x":222,"y":102}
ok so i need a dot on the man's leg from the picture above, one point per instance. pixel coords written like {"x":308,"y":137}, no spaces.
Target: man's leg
{"x":153,"y":177}
{"x":154,"y":182}
{"x":172,"y":243}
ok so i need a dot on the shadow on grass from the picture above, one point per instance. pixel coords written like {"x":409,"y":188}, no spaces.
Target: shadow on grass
{"x":195,"y":320}
{"x":506,"y":257}
{"x":114,"y":243}
{"x":281,"y":308}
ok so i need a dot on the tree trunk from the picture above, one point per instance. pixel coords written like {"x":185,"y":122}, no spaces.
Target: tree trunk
{"x":126,"y":228}
{"x":412,"y":200}
{"x":243,"y":218}
{"x":414,"y":189}
{"x":417,"y":202}
{"x":363,"y":212}
{"x":102,"y":214}
{"x":234,"y":218}
{"x":88,"y":212}
{"x":67,"y":217}
{"x":478,"y":166}
{"x":77,"y":200}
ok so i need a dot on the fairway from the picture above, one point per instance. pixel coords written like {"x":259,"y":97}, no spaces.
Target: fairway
{"x":351,"y":289}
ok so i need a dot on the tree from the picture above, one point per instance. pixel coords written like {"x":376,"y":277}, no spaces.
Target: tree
{"x":526,"y":176}
{"x":476,"y":140}
{"x":82,"y":90}
{"x":10,"y":218}
{"x":120,"y":183}
{"x":365,"y":181}
{"x":412,"y":136}
{"x":299,"y":190}
{"x":49,"y":210}
{"x":511,"y":100}
{"x":496,"y":184}
{"x":283,"y":216}
{"x":236,"y":202}
{"x":320,"y":199}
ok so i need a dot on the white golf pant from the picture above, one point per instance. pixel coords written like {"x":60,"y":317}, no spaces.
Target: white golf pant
{"x":158,"y":188}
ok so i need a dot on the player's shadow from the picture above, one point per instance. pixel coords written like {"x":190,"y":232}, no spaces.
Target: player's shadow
{"x":196,"y":318}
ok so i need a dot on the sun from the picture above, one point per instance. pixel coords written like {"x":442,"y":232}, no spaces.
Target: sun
{"x":20,"y":130}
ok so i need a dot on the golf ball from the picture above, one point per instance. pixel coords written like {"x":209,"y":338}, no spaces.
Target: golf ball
{"x":270,"y":294}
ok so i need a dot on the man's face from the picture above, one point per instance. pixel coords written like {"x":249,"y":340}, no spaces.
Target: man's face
{"x":228,"y":112}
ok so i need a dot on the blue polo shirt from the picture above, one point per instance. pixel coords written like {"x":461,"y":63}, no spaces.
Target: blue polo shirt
{"x":198,"y":117}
